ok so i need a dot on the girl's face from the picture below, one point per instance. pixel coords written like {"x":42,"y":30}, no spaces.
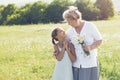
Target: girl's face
{"x":73,"y":23}
{"x":60,"y":34}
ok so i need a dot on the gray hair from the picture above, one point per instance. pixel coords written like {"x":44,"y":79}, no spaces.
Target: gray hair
{"x":72,"y":13}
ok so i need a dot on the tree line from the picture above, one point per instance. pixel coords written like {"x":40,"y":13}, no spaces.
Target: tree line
{"x":41,"y":12}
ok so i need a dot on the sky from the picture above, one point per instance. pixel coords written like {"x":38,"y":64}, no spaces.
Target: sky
{"x":23,"y":2}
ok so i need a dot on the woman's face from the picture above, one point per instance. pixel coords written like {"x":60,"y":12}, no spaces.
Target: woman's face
{"x":73,"y":23}
{"x":60,"y":34}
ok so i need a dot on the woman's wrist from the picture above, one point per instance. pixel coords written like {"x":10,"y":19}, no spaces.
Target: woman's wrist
{"x":95,"y":44}
{"x":91,"y":47}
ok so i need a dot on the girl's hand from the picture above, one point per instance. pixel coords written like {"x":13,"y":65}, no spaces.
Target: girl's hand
{"x":66,"y":44}
{"x":55,"y":52}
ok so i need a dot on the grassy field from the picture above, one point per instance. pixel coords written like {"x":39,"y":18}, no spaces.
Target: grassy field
{"x":26,"y":51}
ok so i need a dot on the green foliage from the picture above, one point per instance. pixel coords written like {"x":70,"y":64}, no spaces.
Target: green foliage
{"x":24,"y":11}
{"x":36,"y":12}
{"x":40,"y":12}
{"x":88,"y":10}
{"x":106,"y":8}
{"x":92,"y":13}
{"x":53,"y":12}
{"x":14,"y":19}
{"x":1,"y":9}
{"x":8,"y":10}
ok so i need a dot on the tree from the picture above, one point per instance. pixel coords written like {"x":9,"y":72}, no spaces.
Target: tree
{"x":20,"y":16}
{"x":1,"y":9}
{"x":106,"y":8}
{"x":36,"y":12}
{"x":24,"y":14}
{"x":8,"y":10}
{"x":54,"y":11}
{"x":88,"y":10}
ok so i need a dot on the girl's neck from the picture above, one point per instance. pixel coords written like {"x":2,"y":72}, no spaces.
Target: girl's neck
{"x":61,"y":42}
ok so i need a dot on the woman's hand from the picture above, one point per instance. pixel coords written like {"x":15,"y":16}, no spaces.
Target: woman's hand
{"x":86,"y":47}
{"x":93,"y":46}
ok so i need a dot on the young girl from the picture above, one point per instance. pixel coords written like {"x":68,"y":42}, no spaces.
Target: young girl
{"x":65,"y":55}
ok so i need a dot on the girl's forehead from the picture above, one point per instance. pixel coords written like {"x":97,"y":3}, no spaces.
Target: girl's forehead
{"x":60,"y":28}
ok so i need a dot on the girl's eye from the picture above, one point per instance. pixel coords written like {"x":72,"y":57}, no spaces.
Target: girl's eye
{"x":60,"y":31}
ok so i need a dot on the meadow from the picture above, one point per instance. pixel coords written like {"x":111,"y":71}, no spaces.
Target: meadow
{"x":26,"y":51}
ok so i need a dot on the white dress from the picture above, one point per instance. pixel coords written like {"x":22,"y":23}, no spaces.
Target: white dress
{"x":63,"y":69}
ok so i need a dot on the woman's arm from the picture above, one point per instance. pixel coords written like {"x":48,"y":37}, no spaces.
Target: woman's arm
{"x":71,"y":52}
{"x":93,"y":46}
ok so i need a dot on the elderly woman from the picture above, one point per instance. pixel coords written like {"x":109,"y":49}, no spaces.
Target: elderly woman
{"x":86,"y":38}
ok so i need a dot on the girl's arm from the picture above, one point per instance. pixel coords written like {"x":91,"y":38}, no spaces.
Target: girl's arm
{"x":59,"y":54}
{"x":71,"y":52}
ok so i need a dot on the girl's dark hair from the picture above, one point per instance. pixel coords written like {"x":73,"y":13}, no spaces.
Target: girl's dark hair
{"x":53,"y":35}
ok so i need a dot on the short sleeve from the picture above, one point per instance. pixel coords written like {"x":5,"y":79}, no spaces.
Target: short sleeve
{"x":95,"y":33}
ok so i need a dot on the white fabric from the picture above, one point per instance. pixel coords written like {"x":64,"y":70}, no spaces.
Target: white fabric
{"x":63,"y":69}
{"x":90,"y":34}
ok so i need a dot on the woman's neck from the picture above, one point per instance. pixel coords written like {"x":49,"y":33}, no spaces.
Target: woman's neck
{"x":80,"y":24}
{"x":79,"y":27}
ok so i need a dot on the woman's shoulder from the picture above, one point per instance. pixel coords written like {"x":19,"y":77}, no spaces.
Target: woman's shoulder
{"x":89,"y":25}
{"x":70,"y":30}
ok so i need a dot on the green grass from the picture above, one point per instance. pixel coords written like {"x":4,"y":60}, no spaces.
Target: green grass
{"x":26,"y":51}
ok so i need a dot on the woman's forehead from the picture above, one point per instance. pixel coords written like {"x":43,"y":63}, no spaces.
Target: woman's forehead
{"x":70,"y":20}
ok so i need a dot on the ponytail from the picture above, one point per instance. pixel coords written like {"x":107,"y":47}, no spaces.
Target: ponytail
{"x":53,"y":41}
{"x":53,"y":35}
